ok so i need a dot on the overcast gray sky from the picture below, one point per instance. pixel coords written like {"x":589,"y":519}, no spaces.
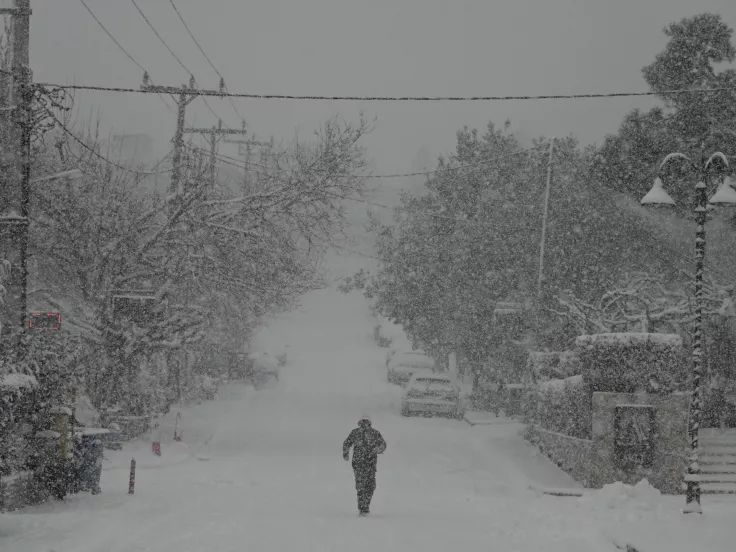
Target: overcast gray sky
{"x":351,"y":47}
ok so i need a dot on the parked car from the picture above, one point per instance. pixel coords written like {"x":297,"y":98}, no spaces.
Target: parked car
{"x":401,"y":365}
{"x":433,"y":393}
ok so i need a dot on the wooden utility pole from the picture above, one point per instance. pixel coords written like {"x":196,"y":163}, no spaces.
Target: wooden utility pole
{"x":214,"y":135}
{"x":244,"y":147}
{"x":544,"y":220}
{"x":543,"y":240}
{"x":14,"y":218}
{"x":186,"y":95}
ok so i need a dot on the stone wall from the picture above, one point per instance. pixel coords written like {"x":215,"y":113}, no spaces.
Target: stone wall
{"x":576,"y":456}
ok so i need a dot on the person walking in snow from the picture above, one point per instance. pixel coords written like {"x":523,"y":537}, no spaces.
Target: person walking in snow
{"x":367,"y":443}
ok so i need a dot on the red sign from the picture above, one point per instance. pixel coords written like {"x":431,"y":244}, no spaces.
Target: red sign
{"x":40,"y":321}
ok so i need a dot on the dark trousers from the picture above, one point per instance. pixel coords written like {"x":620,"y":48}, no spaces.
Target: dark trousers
{"x":365,"y":484}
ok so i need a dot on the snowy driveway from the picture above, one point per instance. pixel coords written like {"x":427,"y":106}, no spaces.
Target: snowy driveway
{"x":262,"y":470}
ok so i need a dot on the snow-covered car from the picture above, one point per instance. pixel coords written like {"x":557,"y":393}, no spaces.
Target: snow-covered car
{"x":433,"y":393}
{"x":401,"y":366}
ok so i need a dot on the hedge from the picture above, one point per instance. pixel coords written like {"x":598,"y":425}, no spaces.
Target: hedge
{"x":562,"y":406}
{"x":631,"y":362}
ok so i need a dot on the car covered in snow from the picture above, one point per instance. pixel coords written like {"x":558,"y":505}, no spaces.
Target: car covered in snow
{"x":401,"y":365}
{"x":433,"y":393}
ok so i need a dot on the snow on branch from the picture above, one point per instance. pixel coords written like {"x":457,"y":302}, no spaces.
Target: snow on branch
{"x":638,"y":302}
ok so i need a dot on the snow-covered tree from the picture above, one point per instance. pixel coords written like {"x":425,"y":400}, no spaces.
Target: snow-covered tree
{"x":628,"y":160}
{"x":211,"y":253}
{"x":641,"y":302}
{"x":472,"y":240}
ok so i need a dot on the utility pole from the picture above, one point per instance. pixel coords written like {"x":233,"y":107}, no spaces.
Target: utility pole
{"x":543,"y":239}
{"x":544,"y":220}
{"x":186,"y":95}
{"x":244,"y":147}
{"x":14,"y":222}
{"x":214,"y":134}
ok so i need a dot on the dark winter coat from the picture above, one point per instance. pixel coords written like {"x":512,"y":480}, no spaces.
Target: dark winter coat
{"x":367,"y":444}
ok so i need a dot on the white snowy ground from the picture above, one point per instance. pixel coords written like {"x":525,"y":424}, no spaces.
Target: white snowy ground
{"x":262,"y":471}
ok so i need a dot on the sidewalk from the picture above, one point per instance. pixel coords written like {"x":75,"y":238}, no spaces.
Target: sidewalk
{"x":676,"y":532}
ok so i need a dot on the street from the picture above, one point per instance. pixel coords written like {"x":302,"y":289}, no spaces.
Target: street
{"x":262,"y":470}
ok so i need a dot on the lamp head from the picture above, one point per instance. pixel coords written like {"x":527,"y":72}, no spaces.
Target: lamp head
{"x":657,"y":195}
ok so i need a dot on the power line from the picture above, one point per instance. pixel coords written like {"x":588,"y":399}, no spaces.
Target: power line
{"x":130,"y":57}
{"x":399,"y":98}
{"x":181,"y":18}
{"x":238,"y":163}
{"x":432,"y":215}
{"x":143,"y":15}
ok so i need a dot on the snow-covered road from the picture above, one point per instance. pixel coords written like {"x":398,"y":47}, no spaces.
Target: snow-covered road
{"x":263,"y":471}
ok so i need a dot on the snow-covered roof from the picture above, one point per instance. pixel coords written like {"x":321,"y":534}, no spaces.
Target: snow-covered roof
{"x":15,"y":382}
{"x":672,"y":340}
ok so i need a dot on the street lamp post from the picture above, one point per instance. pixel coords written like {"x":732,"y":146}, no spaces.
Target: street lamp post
{"x":724,"y":194}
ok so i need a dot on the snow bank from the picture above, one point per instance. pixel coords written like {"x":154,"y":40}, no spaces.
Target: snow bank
{"x":619,"y":496}
{"x":675,"y":532}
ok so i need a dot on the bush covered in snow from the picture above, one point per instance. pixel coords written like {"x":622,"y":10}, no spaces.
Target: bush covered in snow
{"x":38,"y":375}
{"x":562,"y":406}
{"x":631,"y":362}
